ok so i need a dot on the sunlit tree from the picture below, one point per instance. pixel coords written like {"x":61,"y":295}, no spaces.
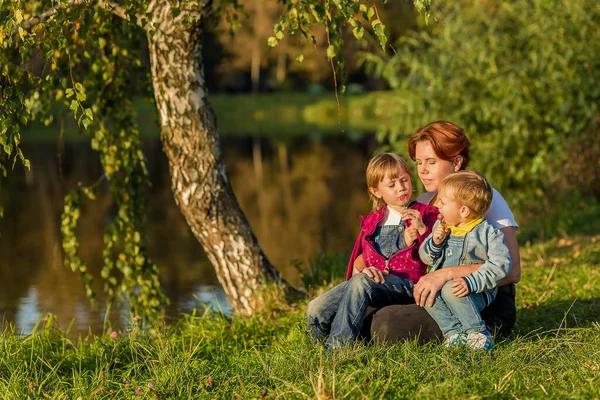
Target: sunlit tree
{"x":84,"y":54}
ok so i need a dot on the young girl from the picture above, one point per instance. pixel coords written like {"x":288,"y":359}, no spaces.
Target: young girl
{"x":385,"y":262}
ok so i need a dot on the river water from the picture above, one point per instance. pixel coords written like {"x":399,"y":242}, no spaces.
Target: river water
{"x":302,"y":196}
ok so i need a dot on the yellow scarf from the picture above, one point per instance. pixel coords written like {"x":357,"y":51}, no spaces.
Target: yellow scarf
{"x":464,"y":229}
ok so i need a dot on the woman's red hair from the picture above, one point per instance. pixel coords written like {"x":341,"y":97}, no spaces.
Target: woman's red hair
{"x":447,"y":140}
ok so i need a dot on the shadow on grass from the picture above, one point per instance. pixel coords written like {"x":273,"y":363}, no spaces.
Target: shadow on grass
{"x":563,"y":314}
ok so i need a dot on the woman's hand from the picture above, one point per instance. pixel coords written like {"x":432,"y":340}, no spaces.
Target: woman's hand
{"x":376,"y":274}
{"x":415,"y":219}
{"x":428,"y":286}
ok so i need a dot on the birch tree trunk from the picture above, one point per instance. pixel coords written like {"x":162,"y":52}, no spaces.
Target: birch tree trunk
{"x":191,"y":142}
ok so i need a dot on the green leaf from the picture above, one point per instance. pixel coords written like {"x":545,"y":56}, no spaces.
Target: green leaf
{"x":330,"y":51}
{"x":272,"y":41}
{"x":371,"y":12}
{"x":18,"y":16}
{"x":69,"y":92}
{"x":358,"y":32}
{"x":300,"y":57}
{"x":74,"y":105}
{"x":382,"y":34}
{"x":79,"y":87}
{"x":89,"y":114}
{"x":81,"y":96}
{"x":86,"y":123}
{"x":102,"y":42}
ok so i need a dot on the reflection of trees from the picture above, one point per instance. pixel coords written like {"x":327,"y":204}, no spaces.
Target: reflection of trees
{"x":30,"y":241}
{"x":311,"y":198}
{"x":310,"y":192}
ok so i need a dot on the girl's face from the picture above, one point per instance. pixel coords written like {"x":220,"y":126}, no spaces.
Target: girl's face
{"x":432,"y":169}
{"x":395,"y":192}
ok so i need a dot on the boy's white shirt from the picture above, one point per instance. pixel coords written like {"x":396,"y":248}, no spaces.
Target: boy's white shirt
{"x":499,"y":213}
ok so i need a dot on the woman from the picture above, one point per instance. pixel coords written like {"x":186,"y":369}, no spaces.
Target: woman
{"x":439,"y":149}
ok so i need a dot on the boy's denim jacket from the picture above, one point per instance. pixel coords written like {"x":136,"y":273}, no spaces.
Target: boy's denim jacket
{"x":484,"y":244}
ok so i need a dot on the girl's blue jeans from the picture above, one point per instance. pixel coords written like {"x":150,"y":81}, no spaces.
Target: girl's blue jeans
{"x":340,"y":311}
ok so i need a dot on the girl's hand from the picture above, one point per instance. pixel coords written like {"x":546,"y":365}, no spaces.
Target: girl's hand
{"x":415,"y":219}
{"x":376,"y":274}
{"x":439,"y":234}
{"x":428,"y":286}
{"x":410,"y":235}
{"x":459,"y":288}
{"x":359,"y":265}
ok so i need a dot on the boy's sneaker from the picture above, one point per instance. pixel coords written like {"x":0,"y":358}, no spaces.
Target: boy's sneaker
{"x":454,"y":340}
{"x":480,"y":341}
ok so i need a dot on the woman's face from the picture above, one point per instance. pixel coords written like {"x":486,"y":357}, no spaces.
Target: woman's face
{"x":432,"y":169}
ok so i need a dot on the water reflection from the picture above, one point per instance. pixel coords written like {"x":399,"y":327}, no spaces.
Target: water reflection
{"x":300,"y":196}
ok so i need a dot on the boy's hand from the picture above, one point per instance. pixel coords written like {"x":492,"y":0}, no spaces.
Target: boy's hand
{"x":410,"y":235}
{"x":439,"y":234}
{"x":415,"y":219}
{"x":459,"y":288}
{"x":375,"y":273}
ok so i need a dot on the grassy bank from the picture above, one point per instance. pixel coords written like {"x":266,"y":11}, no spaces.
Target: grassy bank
{"x":554,"y":352}
{"x":276,"y":115}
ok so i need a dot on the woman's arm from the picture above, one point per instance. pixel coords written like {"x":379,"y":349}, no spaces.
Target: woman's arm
{"x":430,"y":284}
{"x":510,"y":237}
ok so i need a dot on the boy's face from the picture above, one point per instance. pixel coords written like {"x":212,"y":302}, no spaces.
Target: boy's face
{"x":395,"y":192}
{"x":451,"y":210}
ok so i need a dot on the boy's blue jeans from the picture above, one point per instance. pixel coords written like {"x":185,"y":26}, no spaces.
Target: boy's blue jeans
{"x":340,"y":311}
{"x":458,"y":314}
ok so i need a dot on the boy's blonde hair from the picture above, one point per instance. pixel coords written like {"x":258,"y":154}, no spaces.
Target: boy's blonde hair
{"x":469,"y":188}
{"x":379,"y":166}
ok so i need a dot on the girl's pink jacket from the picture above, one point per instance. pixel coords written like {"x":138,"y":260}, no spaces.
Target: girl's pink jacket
{"x":406,"y":262}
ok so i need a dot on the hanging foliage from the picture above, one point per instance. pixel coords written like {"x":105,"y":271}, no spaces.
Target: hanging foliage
{"x":84,"y":55}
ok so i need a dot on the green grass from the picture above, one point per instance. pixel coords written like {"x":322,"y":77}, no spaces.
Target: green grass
{"x":277,"y":115}
{"x":554,"y":351}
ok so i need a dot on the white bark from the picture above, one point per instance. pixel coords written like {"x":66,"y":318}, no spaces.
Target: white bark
{"x":191,"y":142}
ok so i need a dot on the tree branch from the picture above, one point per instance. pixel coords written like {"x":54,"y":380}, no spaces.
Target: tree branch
{"x":38,"y":19}
{"x":114,"y":8}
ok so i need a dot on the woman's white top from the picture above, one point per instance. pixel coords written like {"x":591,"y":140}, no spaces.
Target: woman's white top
{"x":499,"y":213}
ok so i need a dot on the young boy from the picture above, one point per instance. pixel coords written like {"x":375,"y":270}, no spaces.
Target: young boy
{"x":464,"y":237}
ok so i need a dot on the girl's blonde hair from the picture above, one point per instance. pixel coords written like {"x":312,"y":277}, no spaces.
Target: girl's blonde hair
{"x":381,"y":165}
